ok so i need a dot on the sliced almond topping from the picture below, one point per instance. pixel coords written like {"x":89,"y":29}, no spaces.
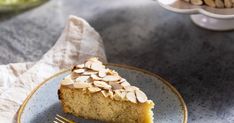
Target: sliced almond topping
{"x":74,"y":75}
{"x":122,"y":80}
{"x":102,"y":84}
{"x":93,"y":59}
{"x":115,"y":86}
{"x":107,"y":93}
{"x":81,"y":85}
{"x":111,"y":72}
{"x":196,"y":2}
{"x":89,"y":80}
{"x":94,"y":89}
{"x":125,"y":84}
{"x":119,"y":95}
{"x":80,"y":66}
{"x":131,"y":97}
{"x":114,"y":72}
{"x":210,"y":3}
{"x":82,"y":78}
{"x":95,"y":77}
{"x":79,"y":70}
{"x":141,"y":96}
{"x":123,"y":94}
{"x":88,"y":64}
{"x":131,"y":88}
{"x":111,"y":78}
{"x":108,"y":71}
{"x":89,"y":72}
{"x":102,"y":73}
{"x":67,"y":81}
{"x":110,"y":94}
{"x":104,"y":93}
{"x":228,"y":3}
{"x":219,"y":3}
{"x":122,"y":90}
{"x":97,"y":66}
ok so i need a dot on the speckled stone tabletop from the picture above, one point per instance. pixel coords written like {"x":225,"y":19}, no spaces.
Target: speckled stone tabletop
{"x":198,"y":62}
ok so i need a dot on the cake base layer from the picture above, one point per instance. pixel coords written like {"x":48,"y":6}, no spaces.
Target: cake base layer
{"x":88,"y":105}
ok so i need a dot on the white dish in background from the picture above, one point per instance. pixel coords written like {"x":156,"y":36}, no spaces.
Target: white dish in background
{"x":207,"y":17}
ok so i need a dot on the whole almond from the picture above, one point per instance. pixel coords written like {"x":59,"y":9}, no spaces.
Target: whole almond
{"x":141,"y":96}
{"x":131,"y":97}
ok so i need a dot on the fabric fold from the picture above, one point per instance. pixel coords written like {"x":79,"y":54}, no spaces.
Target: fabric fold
{"x":78,"y":42}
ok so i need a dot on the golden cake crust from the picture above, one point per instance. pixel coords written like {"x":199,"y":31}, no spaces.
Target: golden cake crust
{"x":95,"y":92}
{"x":95,"y":106}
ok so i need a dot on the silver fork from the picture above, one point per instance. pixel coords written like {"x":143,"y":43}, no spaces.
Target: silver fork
{"x":61,"y":119}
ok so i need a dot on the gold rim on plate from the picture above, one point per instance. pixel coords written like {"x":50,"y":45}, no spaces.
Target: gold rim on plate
{"x":173,"y":89}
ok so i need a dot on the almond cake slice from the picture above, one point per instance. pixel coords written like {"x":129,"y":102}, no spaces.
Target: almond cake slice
{"x":93,"y":91}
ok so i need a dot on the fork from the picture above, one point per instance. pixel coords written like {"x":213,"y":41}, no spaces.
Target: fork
{"x":61,"y":119}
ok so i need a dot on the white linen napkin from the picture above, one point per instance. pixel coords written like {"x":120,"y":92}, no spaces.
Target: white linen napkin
{"x":78,"y":42}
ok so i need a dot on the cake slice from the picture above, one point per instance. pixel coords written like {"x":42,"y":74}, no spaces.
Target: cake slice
{"x":93,"y":91}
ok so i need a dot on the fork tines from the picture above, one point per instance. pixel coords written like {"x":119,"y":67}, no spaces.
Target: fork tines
{"x":61,"y":119}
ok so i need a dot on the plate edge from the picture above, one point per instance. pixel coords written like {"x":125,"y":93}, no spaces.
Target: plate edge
{"x":21,"y":109}
{"x":165,"y":81}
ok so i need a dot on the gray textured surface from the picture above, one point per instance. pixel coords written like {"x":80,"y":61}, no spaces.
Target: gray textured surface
{"x":198,"y":62}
